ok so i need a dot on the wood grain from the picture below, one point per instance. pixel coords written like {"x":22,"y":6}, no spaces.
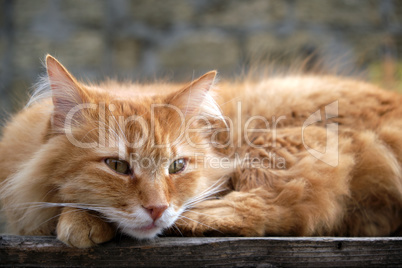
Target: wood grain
{"x":179,"y":252}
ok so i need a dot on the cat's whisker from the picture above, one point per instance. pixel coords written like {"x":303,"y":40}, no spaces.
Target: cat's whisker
{"x":27,"y":206}
{"x":197,"y":201}
{"x":50,"y":192}
{"x":58,"y":215}
{"x":226,"y":102}
{"x":177,"y":228}
{"x":40,"y":205}
{"x":181,"y":217}
{"x":208,"y":190}
{"x":207,"y":194}
{"x":110,"y":129}
{"x":108,"y":214}
{"x":69,"y":212}
{"x":43,"y":222}
{"x":83,"y":138}
{"x":192,"y":211}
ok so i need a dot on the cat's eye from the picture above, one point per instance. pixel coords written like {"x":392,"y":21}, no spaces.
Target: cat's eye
{"x":119,"y":166}
{"x":177,"y":166}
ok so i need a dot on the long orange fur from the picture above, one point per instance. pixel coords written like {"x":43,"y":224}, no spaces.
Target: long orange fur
{"x":55,"y":180}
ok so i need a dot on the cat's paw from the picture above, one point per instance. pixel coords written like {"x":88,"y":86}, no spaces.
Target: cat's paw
{"x":81,"y":229}
{"x":232,"y":216}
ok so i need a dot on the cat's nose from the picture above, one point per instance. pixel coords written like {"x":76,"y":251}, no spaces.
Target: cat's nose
{"x":156,"y":211}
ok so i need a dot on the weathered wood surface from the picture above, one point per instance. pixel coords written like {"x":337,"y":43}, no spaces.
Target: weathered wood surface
{"x":179,"y":252}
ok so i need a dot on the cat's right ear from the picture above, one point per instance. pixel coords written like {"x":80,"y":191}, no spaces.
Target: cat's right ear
{"x":195,"y":98}
{"x":67,"y":93}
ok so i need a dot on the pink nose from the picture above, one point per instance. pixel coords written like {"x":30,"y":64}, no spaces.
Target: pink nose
{"x":156,"y":211}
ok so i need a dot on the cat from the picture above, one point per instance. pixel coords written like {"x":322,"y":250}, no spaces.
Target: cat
{"x":298,"y":155}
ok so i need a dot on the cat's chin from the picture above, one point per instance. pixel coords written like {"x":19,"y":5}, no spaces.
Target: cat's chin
{"x":149,"y":229}
{"x":143,"y":233}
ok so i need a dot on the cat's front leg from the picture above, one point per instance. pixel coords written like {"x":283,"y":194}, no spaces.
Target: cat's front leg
{"x":236,"y":214}
{"x":81,"y":229}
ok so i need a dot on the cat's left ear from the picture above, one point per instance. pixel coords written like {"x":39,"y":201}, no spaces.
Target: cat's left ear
{"x":196,"y":97}
{"x":66,"y":91}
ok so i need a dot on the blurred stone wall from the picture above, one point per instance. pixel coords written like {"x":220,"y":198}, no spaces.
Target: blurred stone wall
{"x":177,"y":39}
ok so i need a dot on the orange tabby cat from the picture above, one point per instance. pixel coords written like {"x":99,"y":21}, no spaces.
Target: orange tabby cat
{"x":298,"y":155}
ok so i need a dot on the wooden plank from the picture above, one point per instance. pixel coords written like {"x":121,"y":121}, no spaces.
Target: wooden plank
{"x":179,"y":252}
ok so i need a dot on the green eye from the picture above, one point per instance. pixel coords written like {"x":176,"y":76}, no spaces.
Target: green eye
{"x":119,"y":166}
{"x":177,"y":166}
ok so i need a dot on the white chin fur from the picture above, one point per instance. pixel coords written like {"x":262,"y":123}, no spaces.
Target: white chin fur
{"x":143,"y":234}
{"x":131,"y":228}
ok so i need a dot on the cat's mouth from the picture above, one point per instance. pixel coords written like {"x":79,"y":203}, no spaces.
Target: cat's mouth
{"x":148,"y":227}
{"x":140,"y":225}
{"x":145,"y":232}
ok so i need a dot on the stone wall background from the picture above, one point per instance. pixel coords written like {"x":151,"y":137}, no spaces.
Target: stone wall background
{"x":177,"y":39}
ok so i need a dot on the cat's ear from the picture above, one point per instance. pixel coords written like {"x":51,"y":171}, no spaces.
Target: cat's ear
{"x":196,"y":98}
{"x":66,"y":91}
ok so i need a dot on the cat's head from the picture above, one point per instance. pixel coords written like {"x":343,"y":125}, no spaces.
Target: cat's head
{"x":137,"y":155}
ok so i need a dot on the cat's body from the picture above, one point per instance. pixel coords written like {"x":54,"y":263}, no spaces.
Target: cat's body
{"x":305,"y":155}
